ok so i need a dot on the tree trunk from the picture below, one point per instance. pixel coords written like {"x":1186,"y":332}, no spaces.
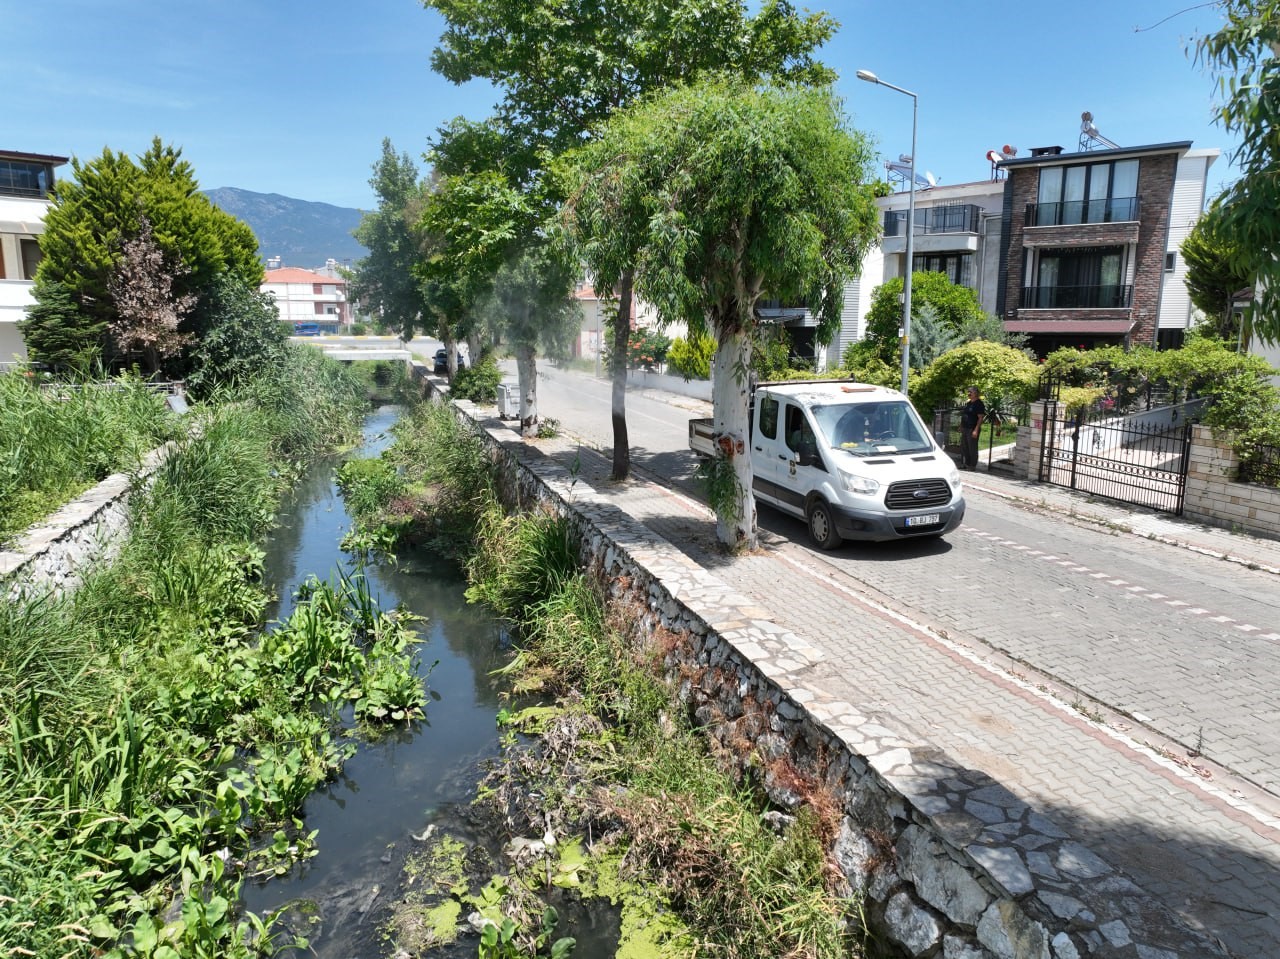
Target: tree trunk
{"x":618,"y":372}
{"x":730,"y":396}
{"x":527,"y":373}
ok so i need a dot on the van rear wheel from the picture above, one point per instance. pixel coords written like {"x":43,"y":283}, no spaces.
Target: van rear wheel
{"x":822,"y":525}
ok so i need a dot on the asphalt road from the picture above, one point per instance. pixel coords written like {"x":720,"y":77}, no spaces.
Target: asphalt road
{"x":1165,"y":636}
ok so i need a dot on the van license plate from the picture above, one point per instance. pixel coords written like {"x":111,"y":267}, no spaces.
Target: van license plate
{"x":928,"y":519}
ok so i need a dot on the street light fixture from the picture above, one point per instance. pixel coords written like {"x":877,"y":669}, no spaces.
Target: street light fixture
{"x":911,"y":225}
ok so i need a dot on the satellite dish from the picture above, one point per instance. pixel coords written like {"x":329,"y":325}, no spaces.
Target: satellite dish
{"x":930,"y":178}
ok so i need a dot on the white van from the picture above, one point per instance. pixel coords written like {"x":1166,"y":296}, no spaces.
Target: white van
{"x":855,"y":461}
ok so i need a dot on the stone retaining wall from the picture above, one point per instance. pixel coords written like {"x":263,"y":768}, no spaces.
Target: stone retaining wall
{"x":950,"y":864}
{"x":1213,"y":496}
{"x":53,"y":555}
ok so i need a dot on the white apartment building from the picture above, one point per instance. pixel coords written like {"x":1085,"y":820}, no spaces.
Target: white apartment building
{"x":304,"y":296}
{"x":26,"y":180}
{"x":957,"y":232}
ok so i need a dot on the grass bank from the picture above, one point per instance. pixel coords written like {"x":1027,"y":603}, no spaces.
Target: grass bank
{"x":612,"y":793}
{"x":156,"y":742}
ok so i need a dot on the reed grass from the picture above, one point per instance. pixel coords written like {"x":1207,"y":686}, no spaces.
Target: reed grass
{"x":57,"y":442}
{"x":127,"y":701}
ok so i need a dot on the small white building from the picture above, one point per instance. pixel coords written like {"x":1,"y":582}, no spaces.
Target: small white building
{"x":26,"y":180}
{"x":304,"y":296}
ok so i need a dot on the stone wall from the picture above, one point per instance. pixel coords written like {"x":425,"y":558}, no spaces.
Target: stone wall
{"x":949,"y":863}
{"x":53,"y":555}
{"x":1213,"y":497}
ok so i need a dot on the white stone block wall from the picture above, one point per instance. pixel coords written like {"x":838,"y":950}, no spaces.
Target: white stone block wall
{"x":1214,"y":497}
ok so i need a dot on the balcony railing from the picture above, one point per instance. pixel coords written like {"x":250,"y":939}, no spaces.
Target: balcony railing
{"x":1073,"y":212}
{"x":1106,"y":297}
{"x":956,"y":218}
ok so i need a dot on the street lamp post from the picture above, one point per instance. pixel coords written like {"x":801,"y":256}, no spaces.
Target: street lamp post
{"x":911,"y":226}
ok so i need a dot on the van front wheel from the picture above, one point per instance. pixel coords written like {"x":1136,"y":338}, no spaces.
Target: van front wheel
{"x":822,"y":526}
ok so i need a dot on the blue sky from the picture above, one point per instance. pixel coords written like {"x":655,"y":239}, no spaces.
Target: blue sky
{"x":295,"y":98}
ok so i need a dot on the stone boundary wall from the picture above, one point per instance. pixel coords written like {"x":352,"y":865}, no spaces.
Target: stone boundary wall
{"x":52,"y":555}
{"x":951,"y":865}
{"x":1212,"y":497}
{"x":644,"y":380}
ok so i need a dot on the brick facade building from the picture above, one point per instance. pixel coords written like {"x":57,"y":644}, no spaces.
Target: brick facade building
{"x":1091,"y":244}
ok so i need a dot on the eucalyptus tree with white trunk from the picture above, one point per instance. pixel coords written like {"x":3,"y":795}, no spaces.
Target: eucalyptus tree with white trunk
{"x":722,"y":192}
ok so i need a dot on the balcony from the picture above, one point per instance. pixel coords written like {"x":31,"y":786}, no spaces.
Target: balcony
{"x":1110,"y":296}
{"x":1074,"y":212}
{"x":952,"y":218}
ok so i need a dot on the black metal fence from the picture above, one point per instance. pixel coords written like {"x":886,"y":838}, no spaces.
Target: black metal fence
{"x":1133,"y":462}
{"x":999,"y":430}
{"x":1260,"y":464}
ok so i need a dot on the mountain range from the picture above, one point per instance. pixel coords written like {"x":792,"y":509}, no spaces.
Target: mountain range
{"x":300,"y":233}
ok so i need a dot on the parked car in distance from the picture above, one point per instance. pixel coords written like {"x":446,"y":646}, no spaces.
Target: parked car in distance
{"x":306,"y":329}
{"x":442,"y":361}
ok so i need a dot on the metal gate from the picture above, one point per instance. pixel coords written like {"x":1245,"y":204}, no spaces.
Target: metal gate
{"x":1140,"y":463}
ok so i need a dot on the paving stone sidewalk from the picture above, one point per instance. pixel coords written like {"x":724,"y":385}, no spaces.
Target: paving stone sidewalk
{"x":1208,"y":851}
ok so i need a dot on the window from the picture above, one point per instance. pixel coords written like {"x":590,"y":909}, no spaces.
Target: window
{"x":769,"y":417}
{"x":800,"y":438}
{"x":30,"y":258}
{"x":957,"y":266}
{"x":1170,"y":262}
{"x":1089,"y":277}
{"x":1087,"y":193}
{"x":24,"y":178}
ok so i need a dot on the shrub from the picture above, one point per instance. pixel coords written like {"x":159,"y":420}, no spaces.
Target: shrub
{"x":1002,"y":374}
{"x":691,"y":358}
{"x":477,"y":383}
{"x":647,"y":348}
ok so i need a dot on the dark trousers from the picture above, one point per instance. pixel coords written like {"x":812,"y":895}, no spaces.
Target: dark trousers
{"x":968,"y":448}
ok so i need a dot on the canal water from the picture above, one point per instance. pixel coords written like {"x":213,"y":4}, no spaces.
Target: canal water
{"x":389,"y":790}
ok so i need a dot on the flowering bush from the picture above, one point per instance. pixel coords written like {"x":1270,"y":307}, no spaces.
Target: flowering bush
{"x":647,"y":348}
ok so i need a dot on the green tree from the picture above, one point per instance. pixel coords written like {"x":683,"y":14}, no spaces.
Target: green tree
{"x":956,"y":306}
{"x":1244,"y":53}
{"x":564,"y":73}
{"x":58,"y":333}
{"x":103,"y":205}
{"x":245,"y":340}
{"x":470,"y":224}
{"x":930,"y":336}
{"x":531,"y":308}
{"x":384,"y":282}
{"x":1214,"y":275}
{"x":1003,"y":374}
{"x":716,"y":192}
{"x":691,"y":357}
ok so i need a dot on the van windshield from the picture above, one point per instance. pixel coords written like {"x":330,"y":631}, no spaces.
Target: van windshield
{"x":868,"y":429}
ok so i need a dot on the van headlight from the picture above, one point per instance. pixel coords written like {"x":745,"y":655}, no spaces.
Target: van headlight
{"x":863,"y":485}
{"x":954,"y":478}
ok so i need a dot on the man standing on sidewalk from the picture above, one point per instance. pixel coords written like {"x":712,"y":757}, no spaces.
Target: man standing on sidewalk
{"x":975,"y":411}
